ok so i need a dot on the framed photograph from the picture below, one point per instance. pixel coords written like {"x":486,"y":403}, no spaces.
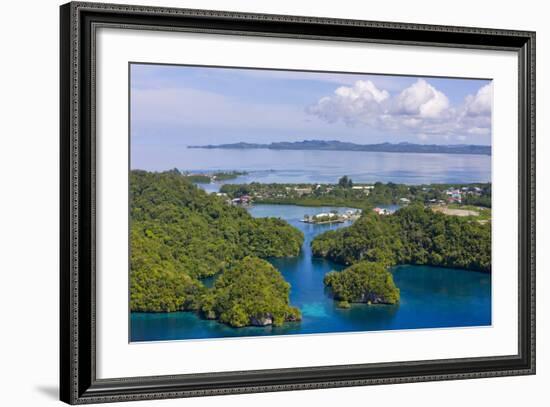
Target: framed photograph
{"x":255,"y":203}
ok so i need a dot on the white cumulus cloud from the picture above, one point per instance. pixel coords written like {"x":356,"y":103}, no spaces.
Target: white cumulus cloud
{"x":362,"y":102}
{"x":481,"y":103}
{"x":421,"y":99}
{"x":419,"y":109}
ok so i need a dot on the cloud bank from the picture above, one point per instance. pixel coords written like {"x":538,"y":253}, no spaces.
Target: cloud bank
{"x":419,"y":109}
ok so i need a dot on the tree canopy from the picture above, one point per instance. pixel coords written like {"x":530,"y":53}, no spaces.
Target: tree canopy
{"x":366,"y":282}
{"x":345,"y":182}
{"x":251,"y":292}
{"x":412,"y":235}
{"x":180,"y":234}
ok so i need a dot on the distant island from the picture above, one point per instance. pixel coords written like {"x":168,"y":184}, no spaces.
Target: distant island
{"x":335,"y":145}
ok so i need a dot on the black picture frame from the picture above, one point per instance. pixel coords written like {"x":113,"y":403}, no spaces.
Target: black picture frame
{"x":78,"y":381}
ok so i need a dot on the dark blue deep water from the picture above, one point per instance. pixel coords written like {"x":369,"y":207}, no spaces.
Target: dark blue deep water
{"x":431,"y":297}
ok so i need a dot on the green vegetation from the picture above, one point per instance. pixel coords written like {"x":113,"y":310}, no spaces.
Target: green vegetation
{"x":481,"y":199}
{"x":252,"y":292}
{"x":224,"y":176}
{"x":158,"y":282}
{"x":364,"y":282}
{"x":180,"y":234}
{"x":343,"y":304}
{"x":299,"y":194}
{"x":345,"y":182}
{"x":199,"y":178}
{"x":412,"y":235}
{"x":362,"y":196}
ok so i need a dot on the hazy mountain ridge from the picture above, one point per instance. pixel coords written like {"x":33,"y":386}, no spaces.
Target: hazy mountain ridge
{"x":335,"y":145}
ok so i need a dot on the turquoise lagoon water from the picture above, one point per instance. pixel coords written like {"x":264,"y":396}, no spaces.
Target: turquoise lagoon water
{"x":431,"y":297}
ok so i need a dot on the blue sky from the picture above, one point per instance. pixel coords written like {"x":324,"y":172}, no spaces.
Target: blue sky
{"x":183,"y":105}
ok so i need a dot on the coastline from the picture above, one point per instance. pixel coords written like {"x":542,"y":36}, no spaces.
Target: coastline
{"x":295,"y":269}
{"x":338,"y":146}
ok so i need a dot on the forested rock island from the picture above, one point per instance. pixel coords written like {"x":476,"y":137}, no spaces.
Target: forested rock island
{"x":364,"y":282}
{"x":180,"y":235}
{"x":412,"y":235}
{"x":335,"y":145}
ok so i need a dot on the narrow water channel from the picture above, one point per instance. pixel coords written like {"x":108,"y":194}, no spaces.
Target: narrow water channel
{"x":431,"y":297}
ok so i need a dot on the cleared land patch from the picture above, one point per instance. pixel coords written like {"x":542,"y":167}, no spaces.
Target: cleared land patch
{"x":455,"y":212}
